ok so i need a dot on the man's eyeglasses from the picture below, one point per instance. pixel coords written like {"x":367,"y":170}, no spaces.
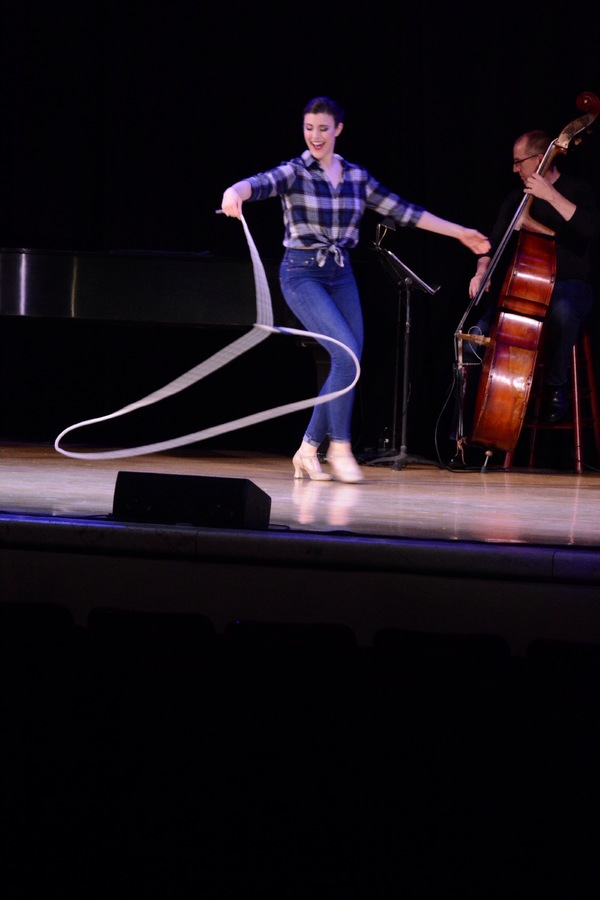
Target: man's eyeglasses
{"x":517,"y":162}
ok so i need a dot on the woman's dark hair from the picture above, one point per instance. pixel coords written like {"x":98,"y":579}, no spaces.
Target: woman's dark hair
{"x":327,"y":106}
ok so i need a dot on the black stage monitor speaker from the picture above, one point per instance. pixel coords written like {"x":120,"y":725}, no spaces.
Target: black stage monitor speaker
{"x":190,"y":500}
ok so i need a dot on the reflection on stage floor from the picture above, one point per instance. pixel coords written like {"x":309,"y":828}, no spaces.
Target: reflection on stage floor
{"x":416,"y":502}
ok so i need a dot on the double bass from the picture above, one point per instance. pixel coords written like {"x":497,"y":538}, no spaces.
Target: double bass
{"x":511,"y":349}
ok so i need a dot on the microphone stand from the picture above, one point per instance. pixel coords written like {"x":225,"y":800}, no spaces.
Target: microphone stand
{"x":406,"y":281}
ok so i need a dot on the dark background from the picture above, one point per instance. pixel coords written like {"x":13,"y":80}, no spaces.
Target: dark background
{"x":123,"y":122}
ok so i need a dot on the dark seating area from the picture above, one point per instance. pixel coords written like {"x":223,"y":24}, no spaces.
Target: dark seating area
{"x":147,"y":754}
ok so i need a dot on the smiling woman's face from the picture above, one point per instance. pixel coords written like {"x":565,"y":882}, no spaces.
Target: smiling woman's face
{"x":320,"y":132}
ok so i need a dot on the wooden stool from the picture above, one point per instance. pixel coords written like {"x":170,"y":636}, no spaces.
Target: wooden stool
{"x":584,"y":406}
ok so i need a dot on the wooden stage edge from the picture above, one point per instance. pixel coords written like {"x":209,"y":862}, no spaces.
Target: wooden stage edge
{"x":414,"y":549}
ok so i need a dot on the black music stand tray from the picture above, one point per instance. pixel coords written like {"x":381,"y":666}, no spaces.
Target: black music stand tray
{"x":406,"y":281}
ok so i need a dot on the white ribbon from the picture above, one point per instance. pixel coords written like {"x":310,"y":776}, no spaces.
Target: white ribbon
{"x":260,"y":330}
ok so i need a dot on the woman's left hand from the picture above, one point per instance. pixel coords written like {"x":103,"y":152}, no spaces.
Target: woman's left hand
{"x":475,"y":241}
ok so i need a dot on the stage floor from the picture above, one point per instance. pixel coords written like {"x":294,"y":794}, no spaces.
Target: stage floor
{"x":512,"y":553}
{"x":418,"y":502}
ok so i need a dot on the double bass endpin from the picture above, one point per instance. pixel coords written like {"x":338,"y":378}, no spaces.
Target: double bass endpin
{"x":488,"y":456}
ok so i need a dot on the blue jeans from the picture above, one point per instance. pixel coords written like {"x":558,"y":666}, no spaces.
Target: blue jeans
{"x":326,"y":301}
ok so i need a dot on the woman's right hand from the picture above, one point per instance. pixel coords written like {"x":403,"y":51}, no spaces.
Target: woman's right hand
{"x":231,"y":204}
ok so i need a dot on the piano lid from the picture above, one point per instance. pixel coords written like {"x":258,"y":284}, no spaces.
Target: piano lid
{"x":136,"y":286}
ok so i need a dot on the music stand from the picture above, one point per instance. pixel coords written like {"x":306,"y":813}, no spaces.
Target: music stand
{"x":406,"y":281}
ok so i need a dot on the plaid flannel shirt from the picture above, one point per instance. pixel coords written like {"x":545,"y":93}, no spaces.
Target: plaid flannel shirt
{"x":318,"y":216}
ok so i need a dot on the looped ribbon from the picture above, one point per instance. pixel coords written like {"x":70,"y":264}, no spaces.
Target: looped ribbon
{"x":262,"y":328}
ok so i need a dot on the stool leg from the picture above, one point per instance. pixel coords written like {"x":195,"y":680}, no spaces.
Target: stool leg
{"x":538,"y":387}
{"x":576,"y":411}
{"x":591,"y":380}
{"x":582,"y":366}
